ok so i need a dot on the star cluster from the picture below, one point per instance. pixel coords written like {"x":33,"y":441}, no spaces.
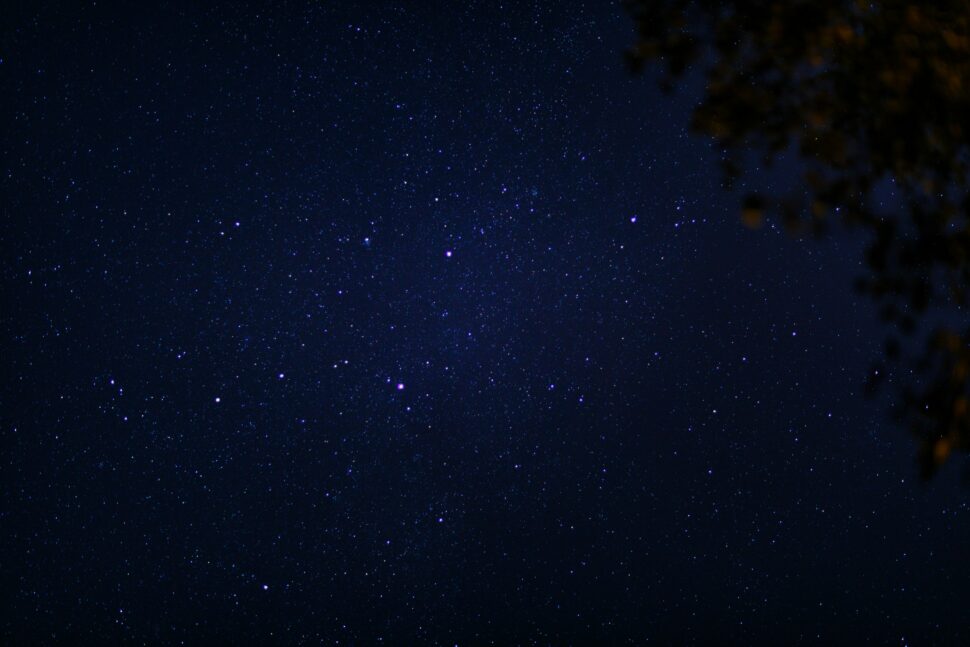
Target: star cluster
{"x":369,"y":321}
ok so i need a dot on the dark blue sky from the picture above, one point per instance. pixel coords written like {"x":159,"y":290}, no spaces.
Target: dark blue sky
{"x":428,"y":324}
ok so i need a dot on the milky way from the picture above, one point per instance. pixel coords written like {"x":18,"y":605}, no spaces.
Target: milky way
{"x":425,"y":325}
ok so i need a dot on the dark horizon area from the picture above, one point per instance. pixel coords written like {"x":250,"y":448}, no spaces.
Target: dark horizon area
{"x":426,"y":324}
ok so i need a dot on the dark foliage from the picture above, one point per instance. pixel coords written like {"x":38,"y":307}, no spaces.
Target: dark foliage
{"x":869,"y":95}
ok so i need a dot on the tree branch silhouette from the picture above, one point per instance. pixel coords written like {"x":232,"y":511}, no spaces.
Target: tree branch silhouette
{"x":869,"y":94}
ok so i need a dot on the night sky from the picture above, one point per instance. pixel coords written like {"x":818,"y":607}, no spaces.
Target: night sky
{"x":425,"y":323}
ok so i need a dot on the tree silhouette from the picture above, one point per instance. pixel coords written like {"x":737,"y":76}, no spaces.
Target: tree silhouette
{"x":869,"y":95}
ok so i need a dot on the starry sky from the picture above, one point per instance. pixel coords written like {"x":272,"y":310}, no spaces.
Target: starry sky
{"x":424,"y":323}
